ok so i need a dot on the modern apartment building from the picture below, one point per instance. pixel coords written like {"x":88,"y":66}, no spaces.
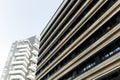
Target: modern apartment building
{"x":22,"y":60}
{"x":5,"y":72}
{"x":81,"y":42}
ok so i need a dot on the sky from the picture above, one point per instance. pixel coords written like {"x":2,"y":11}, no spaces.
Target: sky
{"x":21,"y":19}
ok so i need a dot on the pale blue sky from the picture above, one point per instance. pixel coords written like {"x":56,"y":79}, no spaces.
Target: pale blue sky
{"x":20,"y":19}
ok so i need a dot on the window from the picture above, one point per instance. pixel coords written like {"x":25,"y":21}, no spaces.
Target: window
{"x":94,"y":60}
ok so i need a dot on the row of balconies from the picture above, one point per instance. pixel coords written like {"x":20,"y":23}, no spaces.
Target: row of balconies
{"x":24,"y":46}
{"x":19,"y":76}
{"x":23,"y":64}
{"x":20,"y":70}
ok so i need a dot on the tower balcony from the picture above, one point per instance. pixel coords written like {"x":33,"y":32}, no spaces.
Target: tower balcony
{"x":16,"y":77}
{"x":15,"y":63}
{"x":24,"y":46}
{"x":17,"y":72}
{"x":20,"y":67}
{"x":22,"y":54}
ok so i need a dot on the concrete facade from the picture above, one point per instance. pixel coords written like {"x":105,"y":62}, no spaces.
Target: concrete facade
{"x":82,"y":42}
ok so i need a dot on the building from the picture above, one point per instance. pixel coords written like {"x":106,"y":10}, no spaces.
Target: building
{"x":22,"y":60}
{"x":81,"y":42}
{"x":5,"y":72}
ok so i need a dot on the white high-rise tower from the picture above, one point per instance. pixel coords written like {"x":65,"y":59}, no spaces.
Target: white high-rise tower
{"x":23,"y":62}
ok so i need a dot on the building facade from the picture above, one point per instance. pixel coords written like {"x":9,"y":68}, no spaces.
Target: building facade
{"x":5,"y":72}
{"x":81,"y":42}
{"x":22,"y":60}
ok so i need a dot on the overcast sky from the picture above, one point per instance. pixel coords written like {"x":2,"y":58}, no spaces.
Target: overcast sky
{"x":20,"y":19}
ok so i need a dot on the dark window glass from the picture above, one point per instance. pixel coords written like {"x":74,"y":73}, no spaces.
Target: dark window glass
{"x":115,"y":75}
{"x":95,"y":60}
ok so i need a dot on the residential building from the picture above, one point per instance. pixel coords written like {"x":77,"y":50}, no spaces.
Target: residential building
{"x":81,"y":42}
{"x":22,"y":60}
{"x":5,"y":72}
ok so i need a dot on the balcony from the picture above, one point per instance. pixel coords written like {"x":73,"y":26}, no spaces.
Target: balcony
{"x":16,"y":77}
{"x":19,"y":63}
{"x":20,"y":67}
{"x":24,"y":46}
{"x":25,"y":50}
{"x":31,"y":77}
{"x":22,"y":54}
{"x":22,"y":58}
{"x":17,"y":72}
